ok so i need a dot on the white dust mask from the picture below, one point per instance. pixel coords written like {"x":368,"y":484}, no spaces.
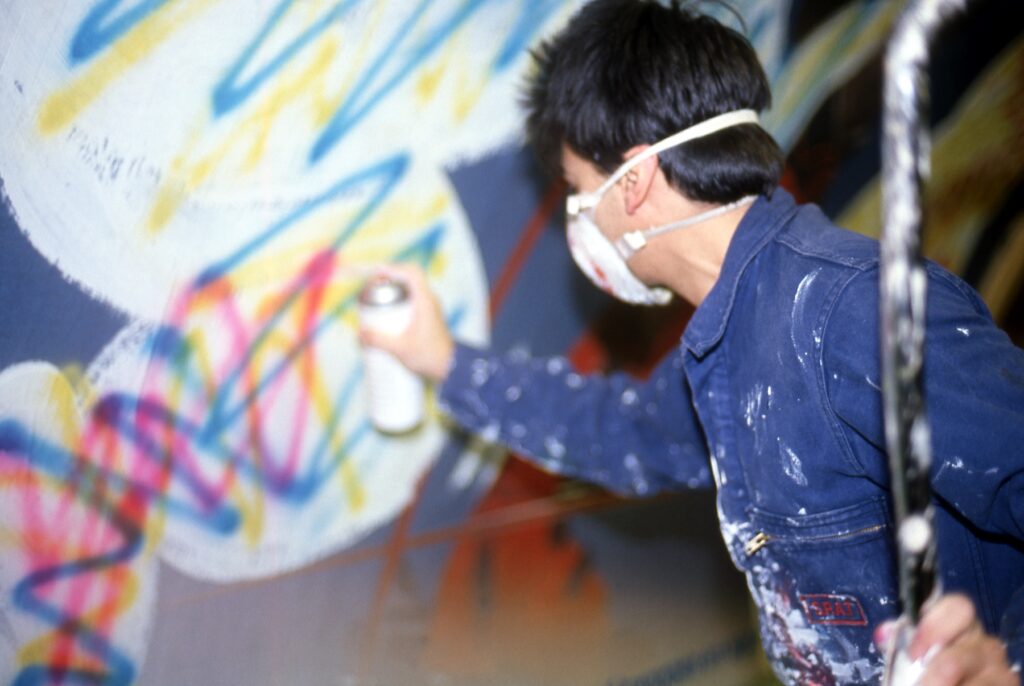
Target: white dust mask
{"x":604,"y":263}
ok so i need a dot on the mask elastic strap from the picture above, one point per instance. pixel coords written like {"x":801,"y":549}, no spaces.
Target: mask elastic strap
{"x":630,"y":243}
{"x":707,"y":127}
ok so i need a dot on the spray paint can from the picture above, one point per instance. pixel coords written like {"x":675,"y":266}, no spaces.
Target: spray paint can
{"x":395,"y":395}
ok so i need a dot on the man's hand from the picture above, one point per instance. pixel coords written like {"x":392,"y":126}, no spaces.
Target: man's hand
{"x":958,"y":650}
{"x":426,"y":347}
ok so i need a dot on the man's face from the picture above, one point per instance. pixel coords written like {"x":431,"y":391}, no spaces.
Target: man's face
{"x":583,"y":176}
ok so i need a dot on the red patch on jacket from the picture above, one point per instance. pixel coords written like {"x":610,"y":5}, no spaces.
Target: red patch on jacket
{"x":827,"y":608}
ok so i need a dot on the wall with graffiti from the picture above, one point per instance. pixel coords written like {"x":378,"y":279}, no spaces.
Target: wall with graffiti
{"x":193,"y":191}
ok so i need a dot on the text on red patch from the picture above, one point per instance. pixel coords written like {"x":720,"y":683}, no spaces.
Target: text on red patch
{"x":828,"y":608}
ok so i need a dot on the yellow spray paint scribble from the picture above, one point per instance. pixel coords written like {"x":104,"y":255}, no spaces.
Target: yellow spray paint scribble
{"x":324,"y":407}
{"x":823,"y":62}
{"x":264,"y":117}
{"x":197,"y":359}
{"x":82,"y":388}
{"x":468,"y":88}
{"x":1004,"y":276}
{"x":325,"y":106}
{"x":429,"y":81}
{"x":966,"y":170}
{"x":168,"y":200}
{"x":156,"y":515}
{"x":430,"y":77}
{"x":375,"y":241}
{"x":66,"y":104}
{"x":844,"y":35}
{"x":277,"y":345}
{"x":468,"y":92}
{"x":287,"y":88}
{"x":351,"y":486}
{"x":60,"y":398}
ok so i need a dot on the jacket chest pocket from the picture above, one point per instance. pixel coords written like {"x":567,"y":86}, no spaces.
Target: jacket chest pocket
{"x":822,"y":582}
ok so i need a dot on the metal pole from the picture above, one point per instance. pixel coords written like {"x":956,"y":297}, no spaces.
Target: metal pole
{"x":905,"y":167}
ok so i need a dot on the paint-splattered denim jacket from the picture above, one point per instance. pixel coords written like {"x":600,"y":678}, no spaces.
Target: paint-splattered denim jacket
{"x":773,"y":396}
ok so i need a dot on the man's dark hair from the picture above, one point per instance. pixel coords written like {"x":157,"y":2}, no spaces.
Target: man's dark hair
{"x":627,"y":72}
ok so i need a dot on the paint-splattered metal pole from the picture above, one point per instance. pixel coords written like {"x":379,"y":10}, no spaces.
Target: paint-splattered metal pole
{"x":905,"y":166}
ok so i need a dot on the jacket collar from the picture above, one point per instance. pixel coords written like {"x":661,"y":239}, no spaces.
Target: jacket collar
{"x":759,"y":225}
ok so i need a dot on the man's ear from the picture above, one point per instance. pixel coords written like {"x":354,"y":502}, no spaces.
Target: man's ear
{"x":639,"y":180}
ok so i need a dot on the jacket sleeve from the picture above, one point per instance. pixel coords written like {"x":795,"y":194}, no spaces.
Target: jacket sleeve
{"x":633,"y":438}
{"x":974,"y":396}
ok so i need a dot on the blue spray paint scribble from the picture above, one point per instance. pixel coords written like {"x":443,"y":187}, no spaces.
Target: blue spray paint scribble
{"x":97,"y":31}
{"x":229,"y":93}
{"x":532,"y":17}
{"x":359,"y":103}
{"x":392,"y":65}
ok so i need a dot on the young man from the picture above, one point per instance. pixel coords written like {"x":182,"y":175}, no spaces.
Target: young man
{"x":773,"y":394}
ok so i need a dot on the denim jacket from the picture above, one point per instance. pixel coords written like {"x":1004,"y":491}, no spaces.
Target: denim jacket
{"x":773,"y":397}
